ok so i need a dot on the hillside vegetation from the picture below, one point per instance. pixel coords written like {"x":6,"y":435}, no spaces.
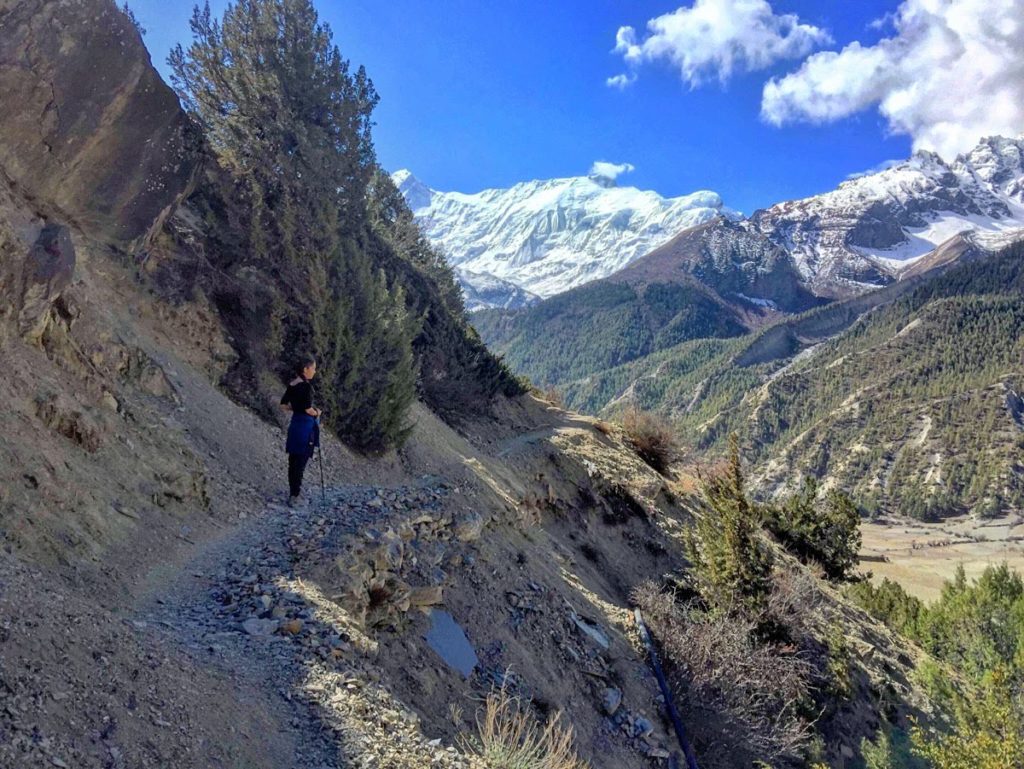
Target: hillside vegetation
{"x":916,"y":407}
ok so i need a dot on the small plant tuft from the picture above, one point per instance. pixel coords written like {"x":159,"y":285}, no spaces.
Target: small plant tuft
{"x":510,"y":738}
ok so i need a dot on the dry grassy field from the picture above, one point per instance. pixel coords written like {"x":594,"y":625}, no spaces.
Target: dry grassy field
{"x":921,"y":556}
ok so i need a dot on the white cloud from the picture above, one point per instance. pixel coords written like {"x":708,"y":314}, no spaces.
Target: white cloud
{"x":951,"y":73}
{"x":602,"y":169}
{"x":621,"y":81}
{"x":717,"y":38}
{"x":885,"y":165}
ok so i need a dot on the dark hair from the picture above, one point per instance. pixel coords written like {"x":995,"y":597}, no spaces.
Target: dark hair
{"x":303,"y":361}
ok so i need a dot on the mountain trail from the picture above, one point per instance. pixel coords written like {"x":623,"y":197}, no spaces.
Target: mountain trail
{"x":241,"y":607}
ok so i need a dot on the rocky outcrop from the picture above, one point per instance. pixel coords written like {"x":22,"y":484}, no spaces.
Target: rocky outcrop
{"x":47,"y":272}
{"x":89,"y":133}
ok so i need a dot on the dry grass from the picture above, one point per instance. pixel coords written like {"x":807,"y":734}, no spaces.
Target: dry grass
{"x":510,"y":738}
{"x":652,"y":438}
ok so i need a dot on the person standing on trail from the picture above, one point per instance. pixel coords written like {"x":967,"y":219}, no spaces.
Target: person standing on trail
{"x":304,"y":430}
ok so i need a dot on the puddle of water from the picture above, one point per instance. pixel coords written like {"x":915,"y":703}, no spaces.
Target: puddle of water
{"x":449,"y":640}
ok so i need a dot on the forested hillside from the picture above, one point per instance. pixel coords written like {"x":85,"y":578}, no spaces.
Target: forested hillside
{"x":707,"y":282}
{"x":916,"y":407}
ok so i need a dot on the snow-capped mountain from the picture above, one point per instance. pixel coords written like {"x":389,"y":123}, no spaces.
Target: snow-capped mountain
{"x":482,"y":291}
{"x":871,"y":228}
{"x":548,"y":236}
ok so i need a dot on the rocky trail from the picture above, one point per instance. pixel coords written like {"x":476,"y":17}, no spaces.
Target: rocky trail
{"x":241,"y":606}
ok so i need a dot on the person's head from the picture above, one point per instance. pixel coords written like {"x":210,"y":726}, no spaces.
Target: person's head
{"x":306,"y":366}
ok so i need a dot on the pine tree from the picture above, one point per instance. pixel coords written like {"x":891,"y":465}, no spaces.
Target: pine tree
{"x":290,"y":122}
{"x":731,"y":564}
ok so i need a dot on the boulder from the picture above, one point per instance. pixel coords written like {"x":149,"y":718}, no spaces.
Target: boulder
{"x":89,"y":132}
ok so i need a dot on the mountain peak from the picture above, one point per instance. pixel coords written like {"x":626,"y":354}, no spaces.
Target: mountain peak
{"x":549,"y":235}
{"x":416,"y":193}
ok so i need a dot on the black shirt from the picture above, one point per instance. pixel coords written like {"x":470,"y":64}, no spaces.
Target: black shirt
{"x":298,"y":396}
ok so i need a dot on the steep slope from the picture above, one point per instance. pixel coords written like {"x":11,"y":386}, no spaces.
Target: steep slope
{"x":549,"y":236}
{"x":482,"y":291}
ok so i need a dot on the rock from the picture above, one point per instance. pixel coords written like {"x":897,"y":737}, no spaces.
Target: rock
{"x":469,"y":528}
{"x":291,"y":627}
{"x":48,"y":269}
{"x":642,"y":727}
{"x":70,"y":420}
{"x":846,"y":751}
{"x":611,"y":699}
{"x":259,"y":627}
{"x":656,"y":752}
{"x":109,"y":402}
{"x":89,"y":131}
{"x":592,"y":631}
{"x":426,"y":596}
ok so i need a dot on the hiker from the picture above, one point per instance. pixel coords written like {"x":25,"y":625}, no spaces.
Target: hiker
{"x":304,"y":430}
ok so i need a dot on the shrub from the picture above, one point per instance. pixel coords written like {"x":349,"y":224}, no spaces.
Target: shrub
{"x":826,"y":532}
{"x":840,"y":659}
{"x":509,"y":738}
{"x":743,"y":699}
{"x":731,"y":566}
{"x":550,"y":395}
{"x":652,"y":439}
{"x":888,"y":602}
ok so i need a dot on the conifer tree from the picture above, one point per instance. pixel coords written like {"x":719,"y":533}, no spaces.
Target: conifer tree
{"x":290,"y":122}
{"x":731,"y":564}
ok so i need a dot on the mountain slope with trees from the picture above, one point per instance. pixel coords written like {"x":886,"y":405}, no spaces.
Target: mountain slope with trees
{"x":314,"y":246}
{"x":916,"y":406}
{"x":708,"y":282}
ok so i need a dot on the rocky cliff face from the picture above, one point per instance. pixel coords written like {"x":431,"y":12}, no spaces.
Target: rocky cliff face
{"x":97,"y":138}
{"x":742,"y":267}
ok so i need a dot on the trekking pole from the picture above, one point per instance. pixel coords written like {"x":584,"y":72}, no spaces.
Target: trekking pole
{"x":320,"y":455}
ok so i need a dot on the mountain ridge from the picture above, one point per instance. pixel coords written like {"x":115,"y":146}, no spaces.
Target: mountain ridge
{"x":862,"y":235}
{"x":547,"y":236}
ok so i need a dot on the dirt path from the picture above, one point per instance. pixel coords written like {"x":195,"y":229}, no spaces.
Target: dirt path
{"x":241,"y":606}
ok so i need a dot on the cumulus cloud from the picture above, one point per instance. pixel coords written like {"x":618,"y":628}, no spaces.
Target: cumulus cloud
{"x":951,"y":73}
{"x":602,"y":169}
{"x":715,"y":39}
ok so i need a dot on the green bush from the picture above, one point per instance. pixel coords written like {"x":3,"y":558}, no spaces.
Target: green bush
{"x":731,"y":565}
{"x":826,"y":531}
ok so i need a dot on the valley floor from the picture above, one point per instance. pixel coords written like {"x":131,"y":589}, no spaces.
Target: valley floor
{"x":922,"y":556}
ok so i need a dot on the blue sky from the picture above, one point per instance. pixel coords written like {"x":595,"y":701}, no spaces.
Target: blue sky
{"x":478,"y":94}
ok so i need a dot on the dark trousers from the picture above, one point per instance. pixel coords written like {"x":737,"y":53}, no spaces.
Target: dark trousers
{"x":296,"y":467}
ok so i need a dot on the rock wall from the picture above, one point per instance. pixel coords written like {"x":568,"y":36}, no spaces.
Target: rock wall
{"x":89,"y":133}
